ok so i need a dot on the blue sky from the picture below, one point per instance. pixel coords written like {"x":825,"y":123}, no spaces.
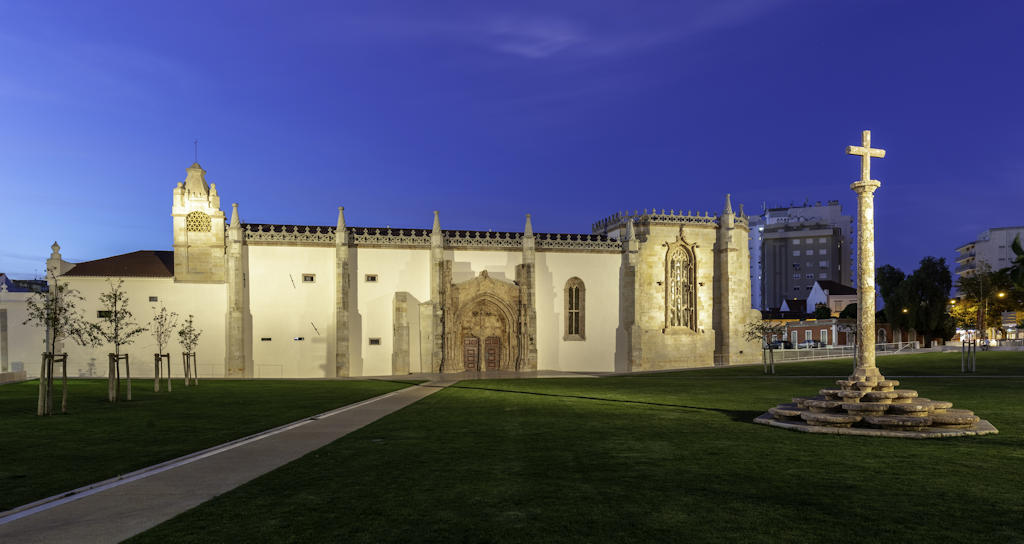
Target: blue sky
{"x":486,"y":111}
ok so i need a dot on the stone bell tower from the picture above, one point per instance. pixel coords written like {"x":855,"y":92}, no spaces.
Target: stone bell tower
{"x":198,"y":230}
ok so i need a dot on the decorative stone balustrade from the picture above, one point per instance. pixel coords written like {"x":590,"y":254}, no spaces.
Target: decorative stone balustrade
{"x":266,"y":234}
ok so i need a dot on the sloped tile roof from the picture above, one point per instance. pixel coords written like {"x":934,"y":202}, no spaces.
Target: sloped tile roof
{"x":836,"y":288}
{"x":137,"y":264}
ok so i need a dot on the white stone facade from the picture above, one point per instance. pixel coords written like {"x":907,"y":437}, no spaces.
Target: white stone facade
{"x":326,"y":301}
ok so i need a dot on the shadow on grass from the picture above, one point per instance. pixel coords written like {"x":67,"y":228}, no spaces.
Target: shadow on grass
{"x":744,"y":416}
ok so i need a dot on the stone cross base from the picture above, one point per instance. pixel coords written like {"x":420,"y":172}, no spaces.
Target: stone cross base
{"x":870,"y":405}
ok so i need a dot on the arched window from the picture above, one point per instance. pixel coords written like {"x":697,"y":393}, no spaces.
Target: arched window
{"x":575,"y":310}
{"x":881,"y":336}
{"x":680,"y":292}
{"x":197,"y":222}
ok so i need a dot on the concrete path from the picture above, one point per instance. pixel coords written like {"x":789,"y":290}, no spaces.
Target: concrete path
{"x":118,"y":509}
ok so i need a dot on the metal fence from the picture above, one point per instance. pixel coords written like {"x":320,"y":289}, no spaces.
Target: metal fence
{"x":837,"y":352}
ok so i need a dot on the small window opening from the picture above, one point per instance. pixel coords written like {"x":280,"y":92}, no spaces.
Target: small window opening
{"x":299,"y":338}
{"x":375,"y":341}
{"x":265,"y":339}
{"x":371,"y":278}
{"x":308,"y":278}
{"x":103,"y":314}
{"x":153,"y":299}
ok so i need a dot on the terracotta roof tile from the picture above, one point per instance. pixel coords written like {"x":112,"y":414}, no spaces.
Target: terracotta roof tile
{"x":138,"y":264}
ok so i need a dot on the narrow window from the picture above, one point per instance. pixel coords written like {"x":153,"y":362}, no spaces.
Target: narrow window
{"x":575,"y":298}
{"x":308,"y":278}
{"x":153,"y":299}
{"x":680,"y":287}
{"x":265,"y":339}
{"x":299,"y":338}
{"x":371,"y":278}
{"x":375,"y":341}
{"x":103,"y":314}
{"x":824,"y":336}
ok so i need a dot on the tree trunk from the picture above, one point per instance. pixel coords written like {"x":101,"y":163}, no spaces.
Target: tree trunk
{"x":64,"y":377}
{"x":128,"y":376}
{"x":110,"y":378}
{"x":41,"y":403}
{"x":49,"y":385}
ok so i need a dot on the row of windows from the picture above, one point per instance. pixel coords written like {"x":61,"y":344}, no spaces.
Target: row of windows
{"x":796,"y":252}
{"x":796,"y":241}
{"x":821,"y":275}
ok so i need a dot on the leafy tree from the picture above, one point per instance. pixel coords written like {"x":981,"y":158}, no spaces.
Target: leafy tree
{"x":890,"y":281}
{"x":929,"y":287}
{"x":117,"y":327}
{"x":918,"y":301}
{"x":56,"y":311}
{"x":764,"y":330}
{"x":822,"y":311}
{"x":849,"y":312}
{"x":1017,"y":267}
{"x":989,"y":292}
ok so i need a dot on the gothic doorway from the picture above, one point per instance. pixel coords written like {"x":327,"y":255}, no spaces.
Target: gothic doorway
{"x":471,"y":353}
{"x":492,"y":352}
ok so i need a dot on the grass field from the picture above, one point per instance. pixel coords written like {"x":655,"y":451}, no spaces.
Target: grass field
{"x":42,"y":456}
{"x":666,"y":457}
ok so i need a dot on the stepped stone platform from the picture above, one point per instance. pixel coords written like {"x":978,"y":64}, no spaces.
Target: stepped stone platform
{"x":876,"y":408}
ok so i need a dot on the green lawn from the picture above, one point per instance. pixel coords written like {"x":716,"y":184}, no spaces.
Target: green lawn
{"x":42,"y":456}
{"x":653,"y":458}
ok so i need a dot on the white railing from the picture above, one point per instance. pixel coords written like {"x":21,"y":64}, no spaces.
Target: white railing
{"x":838,"y":352}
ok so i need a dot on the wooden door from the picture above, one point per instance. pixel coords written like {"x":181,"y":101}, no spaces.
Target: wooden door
{"x":471,"y":353}
{"x":492,"y":352}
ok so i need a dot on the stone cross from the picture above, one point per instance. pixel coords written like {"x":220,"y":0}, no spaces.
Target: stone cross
{"x":866,"y":152}
{"x":865,"y":370}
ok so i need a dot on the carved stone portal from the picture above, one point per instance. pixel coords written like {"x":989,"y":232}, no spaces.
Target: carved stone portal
{"x":484,"y":331}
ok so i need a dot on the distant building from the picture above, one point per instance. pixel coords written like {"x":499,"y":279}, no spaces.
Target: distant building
{"x":992,"y":248}
{"x":834,"y":295}
{"x":15,"y":356}
{"x":795,"y":247}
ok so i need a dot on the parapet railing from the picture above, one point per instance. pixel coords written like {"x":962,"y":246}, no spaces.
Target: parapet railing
{"x":266,"y":234}
{"x":838,"y":352}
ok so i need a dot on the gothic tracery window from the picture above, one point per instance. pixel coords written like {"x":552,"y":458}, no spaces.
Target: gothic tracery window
{"x":575,"y":302}
{"x":680,"y":295}
{"x":197,"y":222}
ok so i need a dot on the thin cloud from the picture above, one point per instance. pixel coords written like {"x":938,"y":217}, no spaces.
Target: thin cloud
{"x":540,"y":35}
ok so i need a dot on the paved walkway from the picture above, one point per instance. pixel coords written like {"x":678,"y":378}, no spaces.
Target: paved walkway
{"x":118,"y":509}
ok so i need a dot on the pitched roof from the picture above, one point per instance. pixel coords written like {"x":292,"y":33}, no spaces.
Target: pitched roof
{"x":836,"y":288}
{"x":796,"y":305}
{"x":137,"y":264}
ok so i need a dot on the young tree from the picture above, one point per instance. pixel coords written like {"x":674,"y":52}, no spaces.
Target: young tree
{"x":56,"y":312}
{"x":164,"y":323}
{"x":822,"y":311}
{"x":764,"y":330}
{"x":188,"y":337}
{"x":117,"y":327}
